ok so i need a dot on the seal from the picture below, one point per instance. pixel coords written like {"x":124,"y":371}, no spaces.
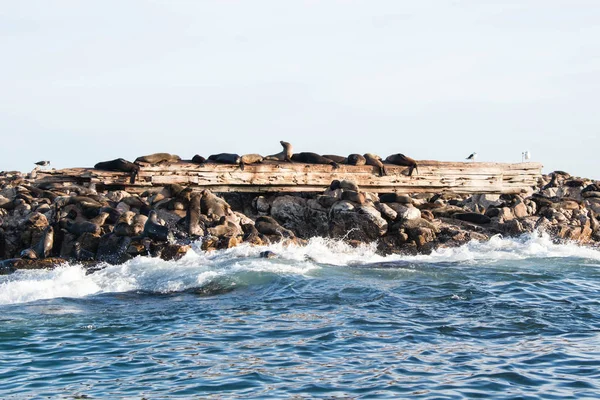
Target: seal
{"x":284,"y":155}
{"x":198,"y":159}
{"x":356,"y":159}
{"x":153,"y":229}
{"x":43,"y":247}
{"x":337,"y":159}
{"x":401,"y":159}
{"x":213,"y":206}
{"x":313,"y":158}
{"x":157,"y":158}
{"x":120,"y":165}
{"x":269,"y":226}
{"x":194,"y":226}
{"x":375,"y":160}
{"x":250,"y":159}
{"x":79,"y":228}
{"x":225,"y":158}
{"x":80,"y":254}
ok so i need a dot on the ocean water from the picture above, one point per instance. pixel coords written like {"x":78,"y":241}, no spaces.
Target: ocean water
{"x":508,"y":318}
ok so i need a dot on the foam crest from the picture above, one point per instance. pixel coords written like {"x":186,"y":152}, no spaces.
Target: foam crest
{"x":528,"y":246}
{"x":242,"y":264}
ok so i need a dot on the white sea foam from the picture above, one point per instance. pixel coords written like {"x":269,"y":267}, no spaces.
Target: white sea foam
{"x":198,"y":268}
{"x":528,"y":246}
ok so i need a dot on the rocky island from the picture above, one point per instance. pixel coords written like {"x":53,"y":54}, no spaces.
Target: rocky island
{"x":108,"y":216}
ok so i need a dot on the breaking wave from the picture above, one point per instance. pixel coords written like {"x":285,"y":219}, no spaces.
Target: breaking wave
{"x":242,"y":265}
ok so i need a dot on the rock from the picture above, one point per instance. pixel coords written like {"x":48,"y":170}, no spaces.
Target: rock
{"x":267,"y":254}
{"x":484,"y":201}
{"x":363,"y":223}
{"x":326,"y":201}
{"x":405,"y":211}
{"x":520,"y":210}
{"x":473,"y":217}
{"x":261,"y":204}
{"x":386,"y":211}
{"x":512,"y":228}
{"x":288,"y":208}
{"x":395,"y":198}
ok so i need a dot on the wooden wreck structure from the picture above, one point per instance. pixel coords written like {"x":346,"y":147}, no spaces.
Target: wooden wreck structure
{"x":273,"y":176}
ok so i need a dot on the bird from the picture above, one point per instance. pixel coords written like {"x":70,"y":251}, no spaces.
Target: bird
{"x":43,"y":163}
{"x":472,"y":157}
{"x":525,"y":156}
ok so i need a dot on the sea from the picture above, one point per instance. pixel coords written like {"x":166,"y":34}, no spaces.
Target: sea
{"x":510,"y":318}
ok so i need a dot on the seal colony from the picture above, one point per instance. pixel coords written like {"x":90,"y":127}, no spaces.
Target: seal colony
{"x":286,"y":155}
{"x":43,"y":224}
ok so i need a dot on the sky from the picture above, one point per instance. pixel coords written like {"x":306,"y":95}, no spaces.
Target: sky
{"x":89,"y":81}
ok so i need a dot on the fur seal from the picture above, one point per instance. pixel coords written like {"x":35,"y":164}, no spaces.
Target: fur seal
{"x":313,"y":158}
{"x":80,"y":254}
{"x":79,"y":228}
{"x":269,"y":226}
{"x":153,"y":229}
{"x":198,"y":159}
{"x":43,"y":247}
{"x":375,"y":160}
{"x":356,"y":159}
{"x":120,"y":165}
{"x":213,"y":206}
{"x":250,"y":159}
{"x":473,"y":217}
{"x":284,"y":155}
{"x":337,"y":159}
{"x":225,"y":158}
{"x":194,"y":226}
{"x":401,"y":159}
{"x":157,"y":158}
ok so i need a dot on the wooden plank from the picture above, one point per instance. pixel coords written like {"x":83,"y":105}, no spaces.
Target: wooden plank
{"x":433,"y":176}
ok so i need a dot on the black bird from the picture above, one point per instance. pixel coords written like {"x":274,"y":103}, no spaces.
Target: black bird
{"x":43,"y":163}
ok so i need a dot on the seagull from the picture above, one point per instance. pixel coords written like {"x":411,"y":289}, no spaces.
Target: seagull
{"x":472,"y":157}
{"x":43,"y":163}
{"x":525,"y":156}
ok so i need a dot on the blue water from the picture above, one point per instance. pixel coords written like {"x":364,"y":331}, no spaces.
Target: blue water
{"x":512,"y":318}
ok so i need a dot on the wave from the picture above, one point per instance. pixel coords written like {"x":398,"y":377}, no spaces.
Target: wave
{"x":243,"y":265}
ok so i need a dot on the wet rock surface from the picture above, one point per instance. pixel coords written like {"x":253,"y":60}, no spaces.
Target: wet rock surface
{"x":41,"y":227}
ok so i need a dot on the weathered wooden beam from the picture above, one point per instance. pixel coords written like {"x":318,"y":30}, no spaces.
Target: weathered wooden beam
{"x":432,"y":176}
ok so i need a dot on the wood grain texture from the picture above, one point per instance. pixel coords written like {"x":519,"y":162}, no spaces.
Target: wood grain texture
{"x":272,"y":176}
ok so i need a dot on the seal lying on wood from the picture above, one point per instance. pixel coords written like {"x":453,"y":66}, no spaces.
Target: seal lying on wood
{"x":120,"y":165}
{"x":356,"y":159}
{"x":285,"y":155}
{"x":375,"y":160}
{"x":250,"y":159}
{"x":401,"y":159}
{"x":225,"y":158}
{"x":157,"y":158}
{"x":337,"y":159}
{"x":313,"y":158}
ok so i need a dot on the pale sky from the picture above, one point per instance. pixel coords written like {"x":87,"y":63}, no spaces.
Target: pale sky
{"x":88,"y":81}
